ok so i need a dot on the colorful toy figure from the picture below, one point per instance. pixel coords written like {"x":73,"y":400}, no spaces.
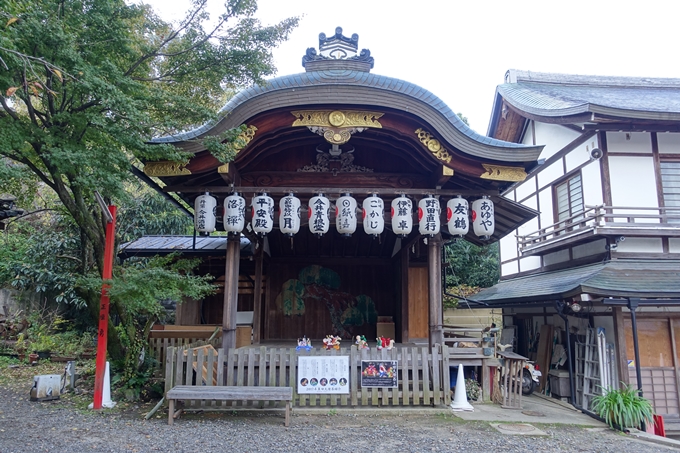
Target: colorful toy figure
{"x":331,"y":342}
{"x":304,"y":343}
{"x":361,"y":342}
{"x":385,"y":343}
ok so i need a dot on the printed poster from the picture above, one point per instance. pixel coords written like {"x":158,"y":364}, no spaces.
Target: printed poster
{"x":323,"y":374}
{"x":379,"y":373}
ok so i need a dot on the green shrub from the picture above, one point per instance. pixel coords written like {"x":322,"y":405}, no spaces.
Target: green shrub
{"x":623,"y":408}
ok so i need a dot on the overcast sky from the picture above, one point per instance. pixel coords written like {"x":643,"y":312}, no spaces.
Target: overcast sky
{"x":461,"y":50}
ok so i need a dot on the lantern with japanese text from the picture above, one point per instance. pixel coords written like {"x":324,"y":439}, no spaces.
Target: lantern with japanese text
{"x":428,"y":216}
{"x":262,"y":210}
{"x":374,"y":217}
{"x":234,"y":213}
{"x":457,"y":216}
{"x":204,"y":213}
{"x":289,"y":215}
{"x":346,"y":215}
{"x":483,"y":222}
{"x":317,"y":212}
{"x":402,"y":218}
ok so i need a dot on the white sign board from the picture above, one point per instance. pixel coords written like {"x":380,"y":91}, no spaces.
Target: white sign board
{"x":323,"y":374}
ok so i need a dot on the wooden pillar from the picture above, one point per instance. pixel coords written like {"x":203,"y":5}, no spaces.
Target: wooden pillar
{"x":620,"y":344}
{"x":404,"y":294}
{"x":257,"y":294}
{"x":434,"y":273}
{"x":231,"y":293}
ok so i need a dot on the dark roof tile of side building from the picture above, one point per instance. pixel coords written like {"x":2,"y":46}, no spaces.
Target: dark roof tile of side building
{"x":562,"y":95}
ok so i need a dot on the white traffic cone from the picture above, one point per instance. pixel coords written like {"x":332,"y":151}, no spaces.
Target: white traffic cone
{"x":460,"y":402}
{"x":106,"y":391}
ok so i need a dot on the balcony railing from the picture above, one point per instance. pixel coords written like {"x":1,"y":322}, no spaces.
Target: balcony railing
{"x":604,"y":220}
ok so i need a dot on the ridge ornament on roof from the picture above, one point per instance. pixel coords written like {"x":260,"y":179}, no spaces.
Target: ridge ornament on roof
{"x":337,"y":47}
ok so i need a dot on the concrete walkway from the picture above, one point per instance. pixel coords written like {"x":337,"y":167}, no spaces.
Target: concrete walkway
{"x":535,"y":409}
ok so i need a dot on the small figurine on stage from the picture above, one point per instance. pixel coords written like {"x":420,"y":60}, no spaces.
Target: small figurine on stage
{"x":331,"y":342}
{"x":361,"y":342}
{"x":385,"y":343}
{"x":304,"y":343}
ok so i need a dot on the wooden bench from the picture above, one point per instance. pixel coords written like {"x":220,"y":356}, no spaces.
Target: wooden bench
{"x":227,"y":393}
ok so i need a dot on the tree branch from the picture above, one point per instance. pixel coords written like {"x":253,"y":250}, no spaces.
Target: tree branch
{"x":11,"y":112}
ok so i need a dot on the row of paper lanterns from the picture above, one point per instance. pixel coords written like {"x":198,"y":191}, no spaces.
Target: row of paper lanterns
{"x":318,"y":212}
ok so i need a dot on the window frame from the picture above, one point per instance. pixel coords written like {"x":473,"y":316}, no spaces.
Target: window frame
{"x":560,"y":182}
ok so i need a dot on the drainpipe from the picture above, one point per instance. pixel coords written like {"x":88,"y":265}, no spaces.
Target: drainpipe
{"x":560,"y":311}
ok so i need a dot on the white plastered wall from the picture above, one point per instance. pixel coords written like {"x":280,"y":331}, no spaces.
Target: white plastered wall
{"x":640,"y":245}
{"x":629,"y":142}
{"x":554,"y":137}
{"x":591,"y":179}
{"x":669,"y":143}
{"x":633,"y":183}
{"x":580,"y":154}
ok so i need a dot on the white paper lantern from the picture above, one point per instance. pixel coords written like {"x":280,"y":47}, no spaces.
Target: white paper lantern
{"x":457,"y":216}
{"x":289,"y":215}
{"x":483,"y":221}
{"x":317,"y":213}
{"x":374,"y":220}
{"x":428,"y":216}
{"x":204,"y":213}
{"x":262,"y":210}
{"x":234,"y":213}
{"x":346,"y":215}
{"x":402,"y":216}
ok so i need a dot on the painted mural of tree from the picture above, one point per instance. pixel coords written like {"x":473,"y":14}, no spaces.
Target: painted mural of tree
{"x":322,"y":285}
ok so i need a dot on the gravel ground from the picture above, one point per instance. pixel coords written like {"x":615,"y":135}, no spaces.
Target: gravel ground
{"x":66,"y":426}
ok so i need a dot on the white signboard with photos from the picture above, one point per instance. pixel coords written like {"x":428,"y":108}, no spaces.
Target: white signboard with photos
{"x":323,"y":374}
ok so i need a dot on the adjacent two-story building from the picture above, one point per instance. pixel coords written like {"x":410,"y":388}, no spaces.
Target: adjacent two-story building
{"x":604,"y":251}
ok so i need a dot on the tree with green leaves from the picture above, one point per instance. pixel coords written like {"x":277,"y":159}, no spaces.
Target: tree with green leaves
{"x":84,"y":85}
{"x":468,"y":268}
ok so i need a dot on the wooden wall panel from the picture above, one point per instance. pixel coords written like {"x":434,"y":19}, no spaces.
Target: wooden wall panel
{"x":375,"y":281}
{"x":654,"y":341}
{"x":417,"y":303}
{"x":188,"y":313}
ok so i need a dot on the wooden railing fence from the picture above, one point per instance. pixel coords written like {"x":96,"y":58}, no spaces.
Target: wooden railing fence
{"x":423,"y":378}
{"x":158,"y":347}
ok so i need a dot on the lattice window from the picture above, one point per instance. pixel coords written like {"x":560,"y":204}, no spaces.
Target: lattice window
{"x":568,"y":199}
{"x":670,"y":183}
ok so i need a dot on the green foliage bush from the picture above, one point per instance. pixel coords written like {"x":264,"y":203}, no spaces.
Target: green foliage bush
{"x":623,"y":408}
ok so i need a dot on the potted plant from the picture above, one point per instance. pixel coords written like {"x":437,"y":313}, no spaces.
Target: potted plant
{"x":623,"y":408}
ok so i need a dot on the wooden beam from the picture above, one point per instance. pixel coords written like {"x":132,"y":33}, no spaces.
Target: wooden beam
{"x":404,"y":291}
{"x":434,"y":274}
{"x":230,"y":293}
{"x":445,"y":173}
{"x":604,"y":169}
{"x":630,"y":127}
{"x":620,"y":343}
{"x":327,"y":190}
{"x":229,"y":173}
